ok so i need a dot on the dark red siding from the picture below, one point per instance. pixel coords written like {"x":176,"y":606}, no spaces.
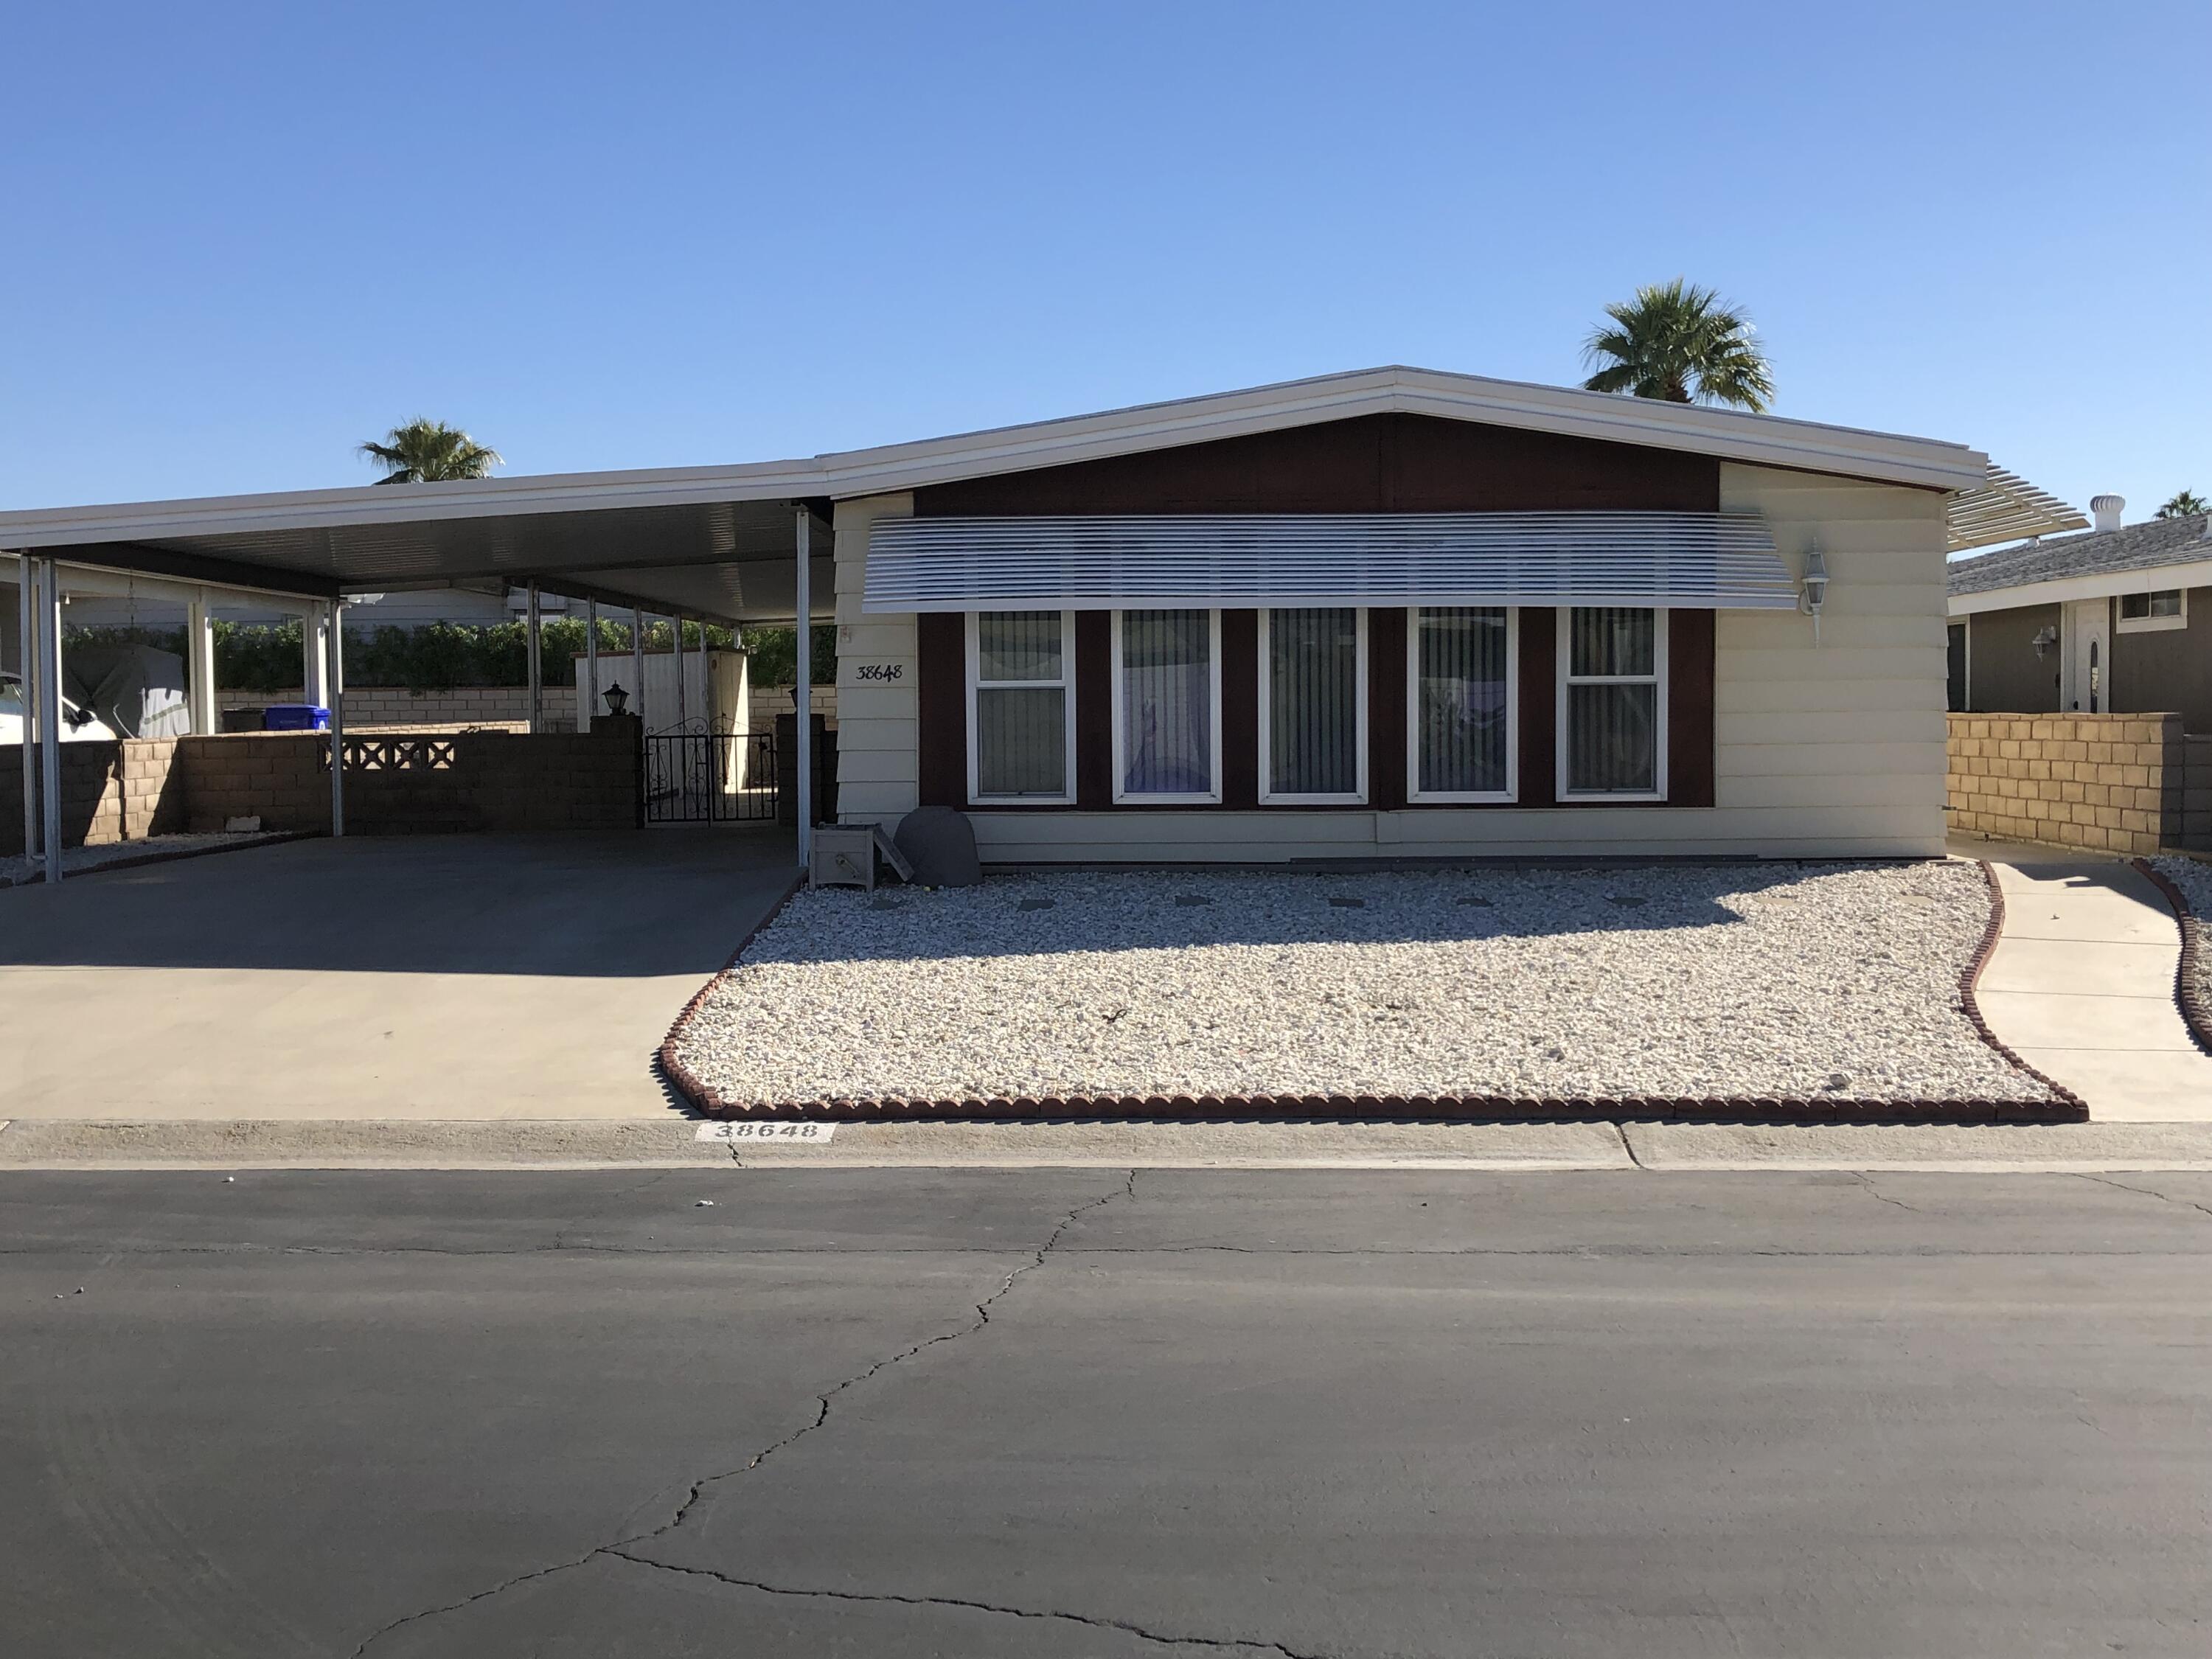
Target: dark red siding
{"x":940,"y":675}
{"x":1386,"y":708}
{"x":1689,"y":708}
{"x":1540,"y":709}
{"x":1376,"y":464}
{"x":1094,"y":709}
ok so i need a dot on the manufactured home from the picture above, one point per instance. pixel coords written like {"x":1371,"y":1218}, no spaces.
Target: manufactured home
{"x":1387,"y":614}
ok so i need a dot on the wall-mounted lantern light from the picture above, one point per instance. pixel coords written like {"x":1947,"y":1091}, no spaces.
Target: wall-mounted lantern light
{"x":1815,"y":586}
{"x":618,"y":699}
{"x":2043,"y":640}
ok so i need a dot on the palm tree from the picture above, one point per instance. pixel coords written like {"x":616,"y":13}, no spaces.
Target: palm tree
{"x":2186,"y":505}
{"x":430,"y":452}
{"x":1681,"y":343}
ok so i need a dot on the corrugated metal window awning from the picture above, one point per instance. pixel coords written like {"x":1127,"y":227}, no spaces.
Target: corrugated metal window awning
{"x":1721,"y":561}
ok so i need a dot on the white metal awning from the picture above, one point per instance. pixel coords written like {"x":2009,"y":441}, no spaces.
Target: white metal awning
{"x":1721,"y":561}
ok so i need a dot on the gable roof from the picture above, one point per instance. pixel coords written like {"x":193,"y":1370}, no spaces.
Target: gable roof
{"x":2134,"y":558}
{"x":661,"y":524}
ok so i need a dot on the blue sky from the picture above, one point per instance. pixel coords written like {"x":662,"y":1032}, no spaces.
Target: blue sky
{"x":239,"y":240}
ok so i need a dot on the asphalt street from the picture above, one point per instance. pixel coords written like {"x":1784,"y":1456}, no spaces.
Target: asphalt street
{"x":1102,"y":1413}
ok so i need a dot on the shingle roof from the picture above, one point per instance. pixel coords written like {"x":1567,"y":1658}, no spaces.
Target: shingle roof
{"x":2098,"y":552}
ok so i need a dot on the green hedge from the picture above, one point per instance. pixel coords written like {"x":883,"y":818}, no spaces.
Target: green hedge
{"x":439,"y":656}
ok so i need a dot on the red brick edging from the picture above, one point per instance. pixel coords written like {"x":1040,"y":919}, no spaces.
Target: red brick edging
{"x":2189,"y":982}
{"x":2067,"y":1107}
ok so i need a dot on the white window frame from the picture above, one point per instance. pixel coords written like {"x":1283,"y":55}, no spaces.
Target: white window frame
{"x":1122,"y":797}
{"x":1265,"y":670}
{"x":1561,"y":761}
{"x":1414,"y":792}
{"x":1066,"y":684}
{"x":2127,"y":625}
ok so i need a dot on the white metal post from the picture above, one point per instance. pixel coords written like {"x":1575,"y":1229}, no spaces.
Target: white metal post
{"x":637,"y":660}
{"x":199,"y":663}
{"x":26,"y":670}
{"x":335,"y":675}
{"x":676,"y":627}
{"x":537,"y":667}
{"x":315,"y":654}
{"x":802,"y":694}
{"x":50,"y":718}
{"x":591,"y":665}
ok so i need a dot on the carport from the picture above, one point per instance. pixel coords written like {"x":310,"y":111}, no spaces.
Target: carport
{"x":389,"y":978}
{"x":729,"y":546}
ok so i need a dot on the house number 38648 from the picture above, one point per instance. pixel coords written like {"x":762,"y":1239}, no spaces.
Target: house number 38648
{"x":879,"y":671}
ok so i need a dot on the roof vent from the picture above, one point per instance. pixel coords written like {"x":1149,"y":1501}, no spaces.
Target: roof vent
{"x":2107,"y":510}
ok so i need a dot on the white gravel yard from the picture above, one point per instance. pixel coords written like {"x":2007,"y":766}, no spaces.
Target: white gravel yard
{"x":2195,"y":880}
{"x":1821,"y":981}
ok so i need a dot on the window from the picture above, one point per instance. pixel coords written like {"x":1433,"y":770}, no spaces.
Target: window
{"x":1313,"y":705}
{"x":1167,"y":706}
{"x":1021,"y":706}
{"x":2146,"y":613}
{"x":1464,"y":726}
{"x":1613,"y":702}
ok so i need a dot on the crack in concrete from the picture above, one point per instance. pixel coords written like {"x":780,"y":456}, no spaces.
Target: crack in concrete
{"x":1866,"y":1182}
{"x":2146,"y":1192}
{"x":983,"y":1318}
{"x":1092,"y":1620}
{"x":1628,"y":1146}
{"x":1128,"y":1188}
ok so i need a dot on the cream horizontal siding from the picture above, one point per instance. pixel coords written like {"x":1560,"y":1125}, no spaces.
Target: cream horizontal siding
{"x":1778,"y":830}
{"x":1847,"y":731}
{"x":1820,"y":696}
{"x":878,"y":726}
{"x":1752,"y":728}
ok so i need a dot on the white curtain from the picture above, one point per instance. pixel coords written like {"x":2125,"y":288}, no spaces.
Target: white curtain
{"x":1313,"y":702}
{"x":1167,"y":703}
{"x":1463,"y":713}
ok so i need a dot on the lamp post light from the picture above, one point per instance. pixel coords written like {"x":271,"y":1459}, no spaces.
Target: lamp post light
{"x":618,"y":699}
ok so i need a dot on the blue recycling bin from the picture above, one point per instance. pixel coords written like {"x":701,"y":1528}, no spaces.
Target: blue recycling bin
{"x":295,"y":717}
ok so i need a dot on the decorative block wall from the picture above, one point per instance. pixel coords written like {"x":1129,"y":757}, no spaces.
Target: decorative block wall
{"x":396,"y":784}
{"x":2115,"y":783}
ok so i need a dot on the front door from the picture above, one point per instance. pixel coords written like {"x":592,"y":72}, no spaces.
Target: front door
{"x":2088,"y":680}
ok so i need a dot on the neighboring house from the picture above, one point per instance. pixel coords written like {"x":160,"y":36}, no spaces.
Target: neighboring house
{"x":2115,"y":620}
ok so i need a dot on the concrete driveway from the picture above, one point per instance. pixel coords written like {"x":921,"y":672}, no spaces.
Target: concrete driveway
{"x":456,"y":977}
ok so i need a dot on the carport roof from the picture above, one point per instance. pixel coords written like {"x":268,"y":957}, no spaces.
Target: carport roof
{"x":719,"y":542}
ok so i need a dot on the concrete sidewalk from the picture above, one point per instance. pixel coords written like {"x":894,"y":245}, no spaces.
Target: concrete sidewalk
{"x":2082,"y":986}
{"x":674,"y":1143}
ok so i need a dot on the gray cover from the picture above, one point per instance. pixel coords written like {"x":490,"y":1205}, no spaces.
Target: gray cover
{"x":940,"y":844}
{"x":139,"y":691}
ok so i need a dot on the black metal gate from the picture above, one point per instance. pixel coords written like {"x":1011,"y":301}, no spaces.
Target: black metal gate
{"x":705,"y":777}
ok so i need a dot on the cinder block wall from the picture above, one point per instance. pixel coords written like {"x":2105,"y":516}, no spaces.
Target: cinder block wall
{"x":2113,"y":782}
{"x":400,"y":785}
{"x":111,"y":791}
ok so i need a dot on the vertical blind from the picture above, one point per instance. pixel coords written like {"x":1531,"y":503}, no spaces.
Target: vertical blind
{"x":1167,"y":702}
{"x":1612,"y":700}
{"x":1021,"y":704}
{"x":1462,"y":729}
{"x":1313,"y":701}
